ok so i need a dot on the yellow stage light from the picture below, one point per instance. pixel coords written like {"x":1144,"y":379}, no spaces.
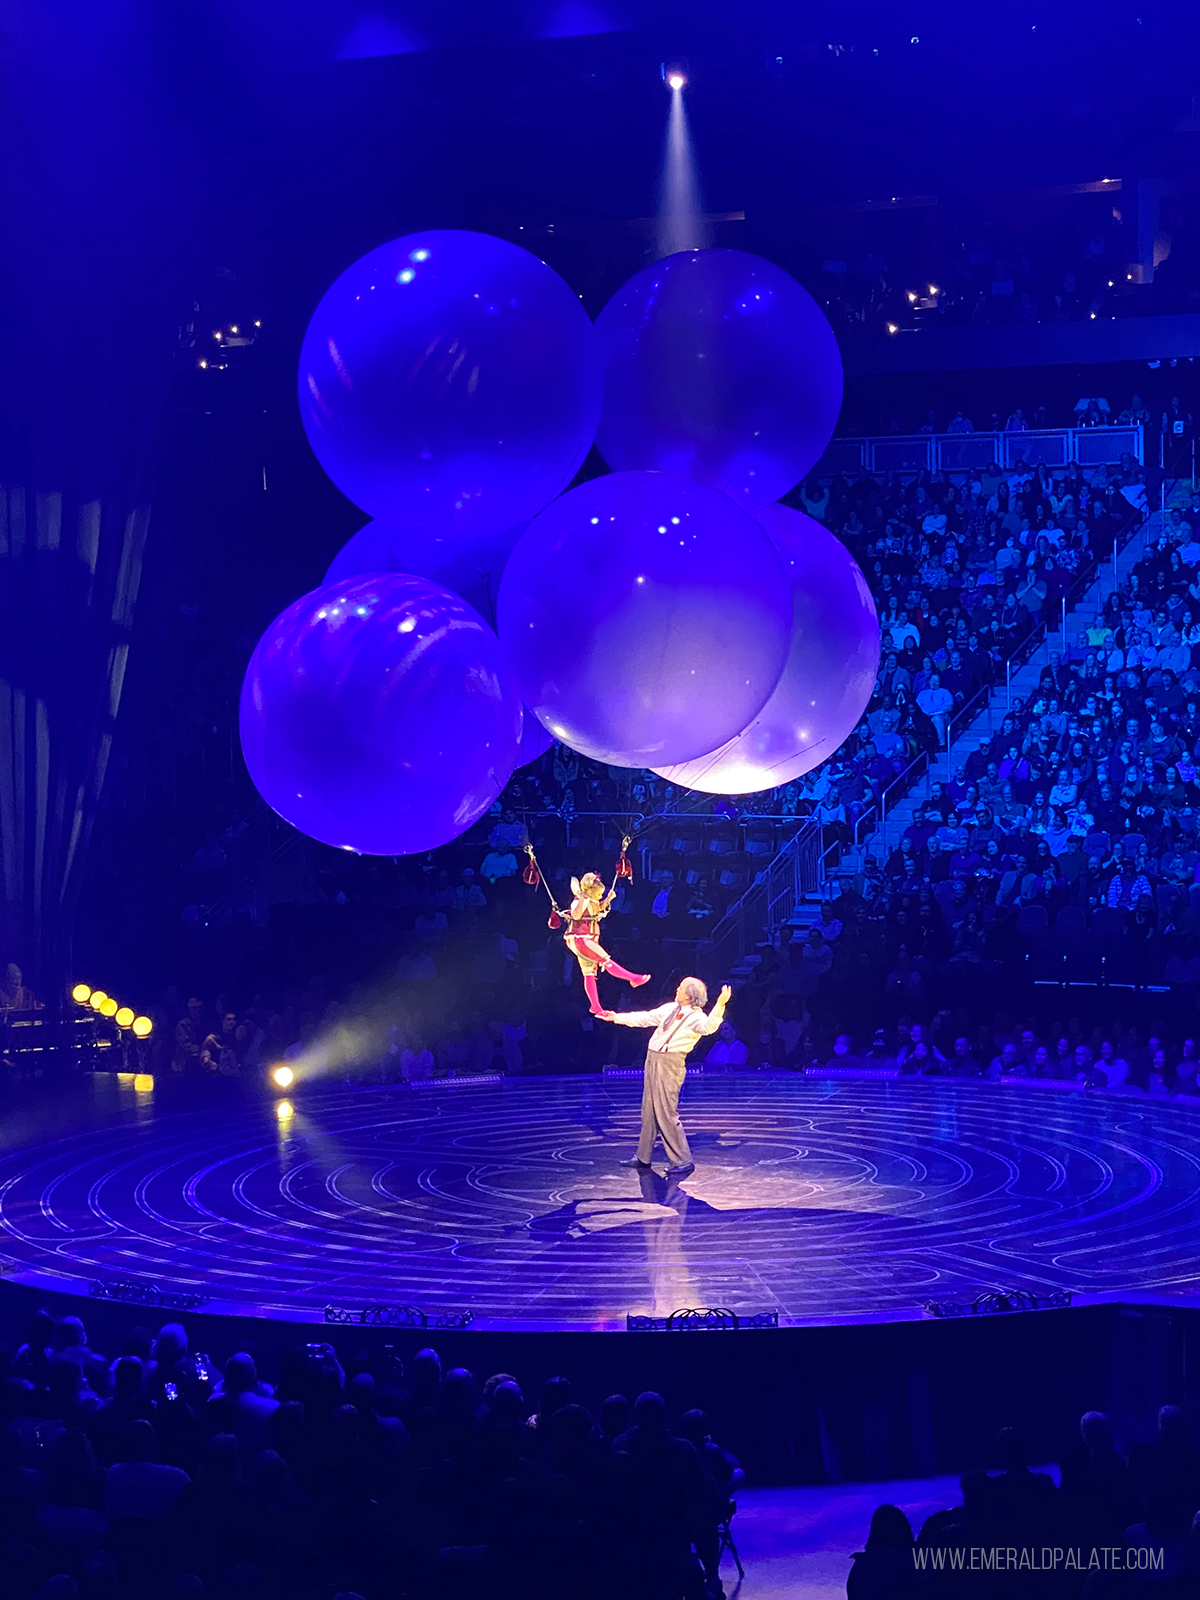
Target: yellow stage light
{"x":81,"y":994}
{"x":142,"y":1027}
{"x":124,"y":1016}
{"x":143,"y":1082}
{"x":96,"y":999}
{"x":109,"y":1007}
{"x":283,"y":1077}
{"x":284,"y":1110}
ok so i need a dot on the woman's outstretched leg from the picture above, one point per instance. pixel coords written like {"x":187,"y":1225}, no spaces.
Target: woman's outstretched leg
{"x":637,"y":979}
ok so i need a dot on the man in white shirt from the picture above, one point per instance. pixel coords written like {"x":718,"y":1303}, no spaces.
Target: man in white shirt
{"x":903,"y":629}
{"x":677,"y":1027}
{"x":935,"y":702}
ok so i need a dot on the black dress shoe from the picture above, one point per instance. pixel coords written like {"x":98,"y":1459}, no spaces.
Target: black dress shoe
{"x":632,"y":1161}
{"x":681,"y":1172}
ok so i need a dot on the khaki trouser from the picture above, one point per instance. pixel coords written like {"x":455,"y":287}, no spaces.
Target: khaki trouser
{"x":661,"y":1084}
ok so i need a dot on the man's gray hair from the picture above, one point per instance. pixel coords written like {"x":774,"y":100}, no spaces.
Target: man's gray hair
{"x":697,"y":994}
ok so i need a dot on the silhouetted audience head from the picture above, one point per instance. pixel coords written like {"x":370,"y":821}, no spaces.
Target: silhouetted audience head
{"x":890,"y":1529}
{"x":615,"y":1416}
{"x":650,"y":1412}
{"x":553,"y":1395}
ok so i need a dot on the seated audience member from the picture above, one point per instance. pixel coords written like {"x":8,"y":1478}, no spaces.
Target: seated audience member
{"x":728,"y":1050}
{"x":885,"y":1569}
{"x":137,"y":1484}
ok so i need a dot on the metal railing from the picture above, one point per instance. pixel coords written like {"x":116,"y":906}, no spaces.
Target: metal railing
{"x":796,"y":872}
{"x":960,"y":452}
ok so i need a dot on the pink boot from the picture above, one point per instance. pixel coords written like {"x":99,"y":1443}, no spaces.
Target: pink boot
{"x":636,"y":979}
{"x":592,"y":992}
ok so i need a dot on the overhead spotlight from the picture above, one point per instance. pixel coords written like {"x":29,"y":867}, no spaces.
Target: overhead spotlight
{"x":124,"y":1017}
{"x":81,"y":994}
{"x":674,"y":74}
{"x":96,"y":999}
{"x":233,"y":327}
{"x":142,"y":1027}
{"x":109,"y":1008}
{"x":912,"y":297}
{"x":283,"y":1077}
{"x":892,"y":328}
{"x":676,"y":81}
{"x":933,"y":289}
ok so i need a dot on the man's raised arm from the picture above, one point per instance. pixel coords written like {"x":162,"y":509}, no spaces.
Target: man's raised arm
{"x":717,"y":1015}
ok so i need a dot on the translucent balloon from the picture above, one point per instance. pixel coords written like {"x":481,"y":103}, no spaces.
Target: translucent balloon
{"x":829,"y":676}
{"x":718,"y":365}
{"x":450,"y":379}
{"x":377,"y":715}
{"x":535,"y":741}
{"x":646,"y":618}
{"x":471,"y":568}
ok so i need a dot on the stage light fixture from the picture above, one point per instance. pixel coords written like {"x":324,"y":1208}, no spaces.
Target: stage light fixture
{"x":142,"y":1027}
{"x":283,"y":1077}
{"x":96,"y":999}
{"x":124,"y":1017}
{"x":81,"y":994}
{"x":284,"y":1110}
{"x":892,"y":328}
{"x":108,"y":1007}
{"x":676,"y":80}
{"x":912,"y":297}
{"x":933,"y":289}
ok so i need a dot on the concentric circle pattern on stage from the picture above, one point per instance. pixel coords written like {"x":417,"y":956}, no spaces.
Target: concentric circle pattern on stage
{"x":817,"y":1200}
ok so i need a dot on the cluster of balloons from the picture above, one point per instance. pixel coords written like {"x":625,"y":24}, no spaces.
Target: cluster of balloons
{"x":668,"y":615}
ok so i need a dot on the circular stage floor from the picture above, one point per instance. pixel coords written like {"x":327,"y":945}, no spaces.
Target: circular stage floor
{"x":822,"y":1201}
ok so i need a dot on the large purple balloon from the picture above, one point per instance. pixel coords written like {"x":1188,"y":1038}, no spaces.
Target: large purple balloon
{"x":829,"y":676}
{"x":718,"y":365}
{"x":377,"y":715}
{"x":646,"y":618}
{"x":535,"y":741}
{"x":450,"y":379}
{"x":472,"y":568}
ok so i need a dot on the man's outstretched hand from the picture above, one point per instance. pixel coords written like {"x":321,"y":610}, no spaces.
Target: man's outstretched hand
{"x":725,"y":996}
{"x":607,"y":1016}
